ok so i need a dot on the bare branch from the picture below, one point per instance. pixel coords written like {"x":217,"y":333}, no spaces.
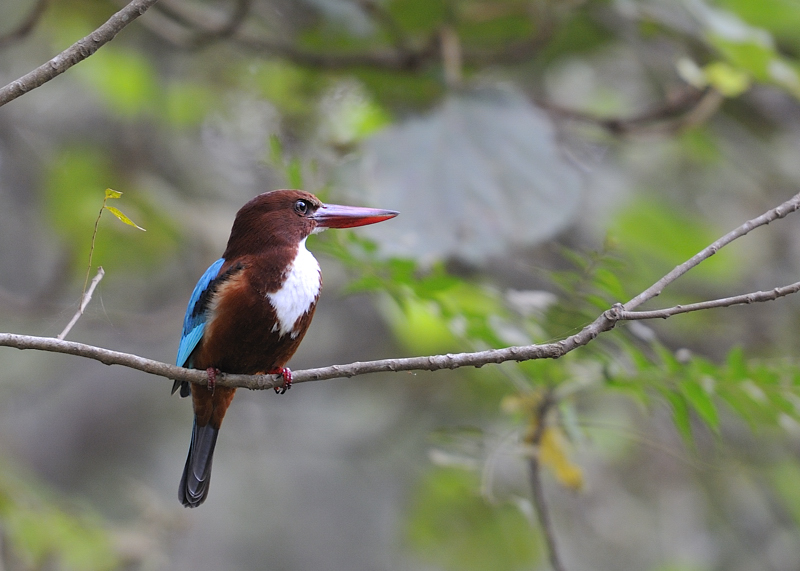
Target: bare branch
{"x":605,"y":322}
{"x":687,"y":108}
{"x":76,"y":53}
{"x":85,"y":299}
{"x":260,"y":382}
{"x":781,"y":211}
{"x":404,"y":56}
{"x":204,"y":29}
{"x":754,"y":297}
{"x":26,"y":26}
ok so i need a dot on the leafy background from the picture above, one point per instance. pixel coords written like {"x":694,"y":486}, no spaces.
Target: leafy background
{"x":577,"y":151}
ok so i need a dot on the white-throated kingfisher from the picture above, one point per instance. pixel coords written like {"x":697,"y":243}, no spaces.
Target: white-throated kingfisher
{"x":251,"y":308}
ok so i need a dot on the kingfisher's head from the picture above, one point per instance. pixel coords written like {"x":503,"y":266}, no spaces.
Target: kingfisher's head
{"x":287,"y":217}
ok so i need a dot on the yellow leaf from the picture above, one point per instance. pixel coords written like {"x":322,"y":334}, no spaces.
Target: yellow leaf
{"x":553,"y":455}
{"x":520,"y":402}
{"x":122,"y":217}
{"x":111,"y":193}
{"x":728,"y":80}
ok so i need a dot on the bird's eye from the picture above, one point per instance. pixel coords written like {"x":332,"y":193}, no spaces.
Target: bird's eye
{"x":302,"y":207}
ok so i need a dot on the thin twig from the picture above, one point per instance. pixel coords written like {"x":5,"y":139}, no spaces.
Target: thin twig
{"x":753,"y":297}
{"x":403,"y":57}
{"x":690,"y":107}
{"x":76,"y":53}
{"x":781,"y":211}
{"x":26,"y":26}
{"x":539,"y":499}
{"x":202,"y":29}
{"x":85,"y":299}
{"x":378,"y":12}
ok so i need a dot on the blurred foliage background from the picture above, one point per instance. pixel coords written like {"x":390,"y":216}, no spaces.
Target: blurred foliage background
{"x":549,"y":158}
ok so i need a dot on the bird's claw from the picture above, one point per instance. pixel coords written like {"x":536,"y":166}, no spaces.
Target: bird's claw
{"x":287,"y":379}
{"x":212,"y":378}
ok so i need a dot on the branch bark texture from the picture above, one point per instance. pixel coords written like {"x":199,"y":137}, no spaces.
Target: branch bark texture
{"x":76,"y":53}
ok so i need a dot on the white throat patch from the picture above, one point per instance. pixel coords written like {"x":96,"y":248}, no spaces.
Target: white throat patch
{"x":298,"y":292}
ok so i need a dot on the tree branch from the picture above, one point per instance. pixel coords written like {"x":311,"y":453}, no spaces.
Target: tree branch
{"x":76,"y":53}
{"x":753,"y":297}
{"x":539,"y":498}
{"x":260,"y":382}
{"x":690,"y":106}
{"x":26,"y":26}
{"x":654,"y":290}
{"x":404,"y":56}
{"x":605,"y":322}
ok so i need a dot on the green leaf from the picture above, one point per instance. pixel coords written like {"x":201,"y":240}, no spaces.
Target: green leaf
{"x":680,"y":415}
{"x":275,"y":150}
{"x":186,"y":104}
{"x":125,"y":80}
{"x":452,"y":526}
{"x":116,"y":212}
{"x":294,"y":173}
{"x":111,"y":193}
{"x":701,"y":402}
{"x":726,"y":79}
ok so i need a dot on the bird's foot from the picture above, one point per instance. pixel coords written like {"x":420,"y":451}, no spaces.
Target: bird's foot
{"x":212,"y":378}
{"x":286,"y":373}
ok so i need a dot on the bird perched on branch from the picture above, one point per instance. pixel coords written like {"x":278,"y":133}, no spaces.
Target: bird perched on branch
{"x":251,"y":308}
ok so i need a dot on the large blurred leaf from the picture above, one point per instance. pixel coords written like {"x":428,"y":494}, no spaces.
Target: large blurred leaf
{"x":451,"y":525}
{"x":41,"y":531}
{"x":481,"y":173}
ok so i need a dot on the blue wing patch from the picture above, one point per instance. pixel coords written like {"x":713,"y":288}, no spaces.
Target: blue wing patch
{"x":194,"y":323}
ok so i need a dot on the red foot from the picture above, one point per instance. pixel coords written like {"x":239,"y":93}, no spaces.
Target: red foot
{"x":212,"y":378}
{"x":287,"y":379}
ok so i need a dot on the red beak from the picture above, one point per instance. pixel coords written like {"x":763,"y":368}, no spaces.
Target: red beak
{"x":336,"y":216}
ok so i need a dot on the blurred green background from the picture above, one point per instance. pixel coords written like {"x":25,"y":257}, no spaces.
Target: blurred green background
{"x":549,"y":158}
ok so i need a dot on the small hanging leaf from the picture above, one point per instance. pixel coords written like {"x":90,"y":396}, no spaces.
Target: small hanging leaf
{"x":111,"y":193}
{"x":116,"y":212}
{"x":552,"y":454}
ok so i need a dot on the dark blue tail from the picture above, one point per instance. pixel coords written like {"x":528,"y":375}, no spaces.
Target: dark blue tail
{"x":197,"y":472}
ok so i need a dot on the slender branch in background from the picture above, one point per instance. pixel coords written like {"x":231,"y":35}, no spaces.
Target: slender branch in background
{"x":76,"y":53}
{"x":181,"y":21}
{"x":535,"y":474}
{"x":604,"y":322}
{"x":385,"y":20}
{"x":689,"y":107}
{"x":229,"y":28}
{"x":85,"y":299}
{"x":781,"y":211}
{"x":26,"y":26}
{"x":202,"y":29}
{"x":452,"y":57}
